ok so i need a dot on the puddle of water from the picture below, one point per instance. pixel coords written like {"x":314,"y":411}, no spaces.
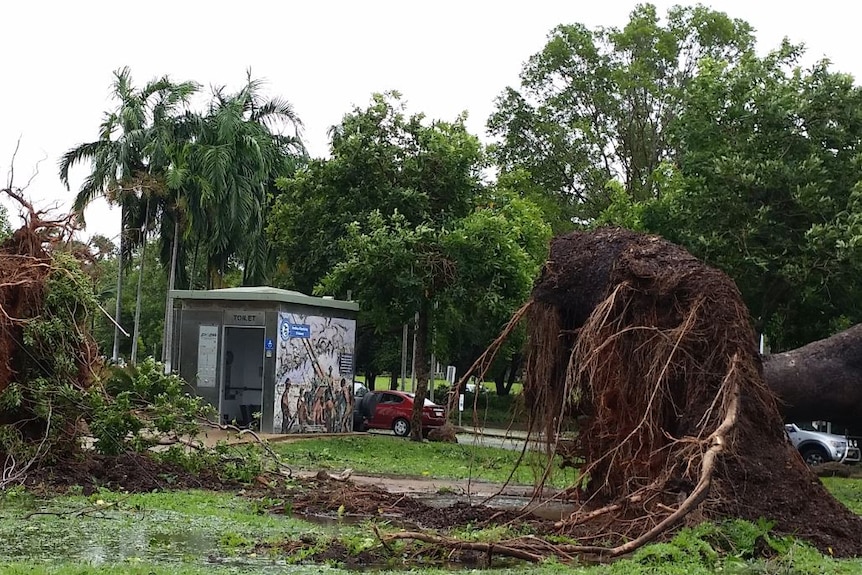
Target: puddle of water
{"x":161,"y":537}
{"x":548,"y":509}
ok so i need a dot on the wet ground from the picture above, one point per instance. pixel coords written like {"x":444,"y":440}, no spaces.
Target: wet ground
{"x":141,"y":520}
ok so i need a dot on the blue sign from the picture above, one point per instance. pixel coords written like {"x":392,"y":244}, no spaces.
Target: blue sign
{"x":299,"y":330}
{"x":269,"y":344}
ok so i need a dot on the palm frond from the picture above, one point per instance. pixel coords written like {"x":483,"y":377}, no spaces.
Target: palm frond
{"x":278,"y":111}
{"x":81,"y":153}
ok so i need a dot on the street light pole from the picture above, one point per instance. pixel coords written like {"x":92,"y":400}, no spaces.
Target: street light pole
{"x":404,"y":358}
{"x":413,"y":371}
{"x":168,"y":339}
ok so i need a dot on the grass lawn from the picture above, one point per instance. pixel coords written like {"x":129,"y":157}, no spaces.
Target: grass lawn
{"x":198,"y":532}
{"x":847,"y":491}
{"x":385,"y":454}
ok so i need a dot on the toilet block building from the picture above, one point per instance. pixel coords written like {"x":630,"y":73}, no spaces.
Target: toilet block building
{"x":275,"y":360}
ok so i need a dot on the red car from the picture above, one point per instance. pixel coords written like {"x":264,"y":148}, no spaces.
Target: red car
{"x":393,"y":410}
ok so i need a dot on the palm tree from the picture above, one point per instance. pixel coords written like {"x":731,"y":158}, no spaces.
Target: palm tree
{"x":128,"y":162}
{"x":239,"y":152}
{"x":219,"y":178}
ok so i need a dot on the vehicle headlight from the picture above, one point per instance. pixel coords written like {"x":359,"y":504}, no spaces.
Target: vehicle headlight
{"x":838,"y":443}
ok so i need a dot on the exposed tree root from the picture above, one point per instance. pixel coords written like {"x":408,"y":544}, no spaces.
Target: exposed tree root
{"x":651,"y":355}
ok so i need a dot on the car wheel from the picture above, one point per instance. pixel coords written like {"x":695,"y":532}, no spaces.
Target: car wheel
{"x":401,"y":427}
{"x":815,"y":455}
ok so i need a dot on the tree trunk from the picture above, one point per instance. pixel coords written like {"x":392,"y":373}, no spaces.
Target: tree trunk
{"x":140,"y":280}
{"x":168,"y":337}
{"x":514,"y":366}
{"x":115,"y":355}
{"x":193,"y":276}
{"x":500,"y":381}
{"x":821,"y":380}
{"x":506,"y":378}
{"x":421,"y":371}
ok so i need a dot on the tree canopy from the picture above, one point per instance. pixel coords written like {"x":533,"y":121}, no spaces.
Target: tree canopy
{"x":767,"y":188}
{"x":670,"y":124}
{"x":400,"y":217}
{"x":596,"y":105}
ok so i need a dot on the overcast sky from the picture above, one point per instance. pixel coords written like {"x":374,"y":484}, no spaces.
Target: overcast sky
{"x":56,"y":59}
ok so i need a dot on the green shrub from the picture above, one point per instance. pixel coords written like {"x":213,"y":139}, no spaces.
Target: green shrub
{"x":137,"y":402}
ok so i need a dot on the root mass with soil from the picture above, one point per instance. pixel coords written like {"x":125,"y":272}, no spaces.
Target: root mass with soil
{"x":653,"y":352}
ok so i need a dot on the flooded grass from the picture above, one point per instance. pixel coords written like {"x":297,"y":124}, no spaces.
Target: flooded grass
{"x":198,"y":532}
{"x":202,"y":532}
{"x":181,"y":527}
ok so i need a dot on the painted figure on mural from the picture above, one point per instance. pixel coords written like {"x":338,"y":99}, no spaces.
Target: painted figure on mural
{"x":317,"y":407}
{"x":302,"y":411}
{"x":345,"y":406}
{"x":285,"y":407}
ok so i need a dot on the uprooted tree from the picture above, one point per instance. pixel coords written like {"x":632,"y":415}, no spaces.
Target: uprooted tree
{"x":821,"y":380}
{"x":54,"y":389}
{"x":47,"y":357}
{"x":653,"y":354}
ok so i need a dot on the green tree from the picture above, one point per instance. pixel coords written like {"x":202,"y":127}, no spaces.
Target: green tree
{"x":224,"y":175}
{"x":153,"y":289}
{"x":398,"y":216}
{"x":478,"y":268}
{"x":129,"y":160}
{"x":768,"y":188}
{"x":221,"y":178}
{"x":380,"y":159}
{"x":497,"y":249}
{"x":597,"y":105}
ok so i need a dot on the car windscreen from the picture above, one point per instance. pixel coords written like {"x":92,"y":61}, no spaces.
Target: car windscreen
{"x":428,"y":402}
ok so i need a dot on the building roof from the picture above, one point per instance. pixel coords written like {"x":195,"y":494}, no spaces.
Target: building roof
{"x":264,"y":293}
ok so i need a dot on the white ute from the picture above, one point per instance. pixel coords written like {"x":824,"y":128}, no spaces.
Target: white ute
{"x":818,"y":447}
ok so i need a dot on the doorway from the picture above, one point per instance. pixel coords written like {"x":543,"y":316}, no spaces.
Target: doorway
{"x":241,"y":387}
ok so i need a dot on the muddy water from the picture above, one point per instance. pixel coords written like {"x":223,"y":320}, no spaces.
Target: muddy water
{"x":130,"y":536}
{"x":56,"y":532}
{"x":549,"y":509}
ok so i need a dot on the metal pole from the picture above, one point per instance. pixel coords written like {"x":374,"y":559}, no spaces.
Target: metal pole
{"x":433,"y":373}
{"x":168,"y":339}
{"x":433,"y":381}
{"x":137,"y":330}
{"x":404,"y":359}
{"x":413,"y":371}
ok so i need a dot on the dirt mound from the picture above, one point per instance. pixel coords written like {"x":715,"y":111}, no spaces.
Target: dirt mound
{"x":445,"y":434}
{"x":654,"y":353}
{"x":132,"y":472}
{"x":329,"y":498}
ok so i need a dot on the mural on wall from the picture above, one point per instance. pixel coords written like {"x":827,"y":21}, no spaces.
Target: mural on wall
{"x":314,"y":374}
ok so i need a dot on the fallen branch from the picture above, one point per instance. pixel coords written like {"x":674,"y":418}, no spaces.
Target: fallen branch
{"x":455,"y":544}
{"x":284,"y":468}
{"x":12,"y":476}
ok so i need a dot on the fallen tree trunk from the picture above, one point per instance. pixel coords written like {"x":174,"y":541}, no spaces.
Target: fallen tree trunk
{"x":821,"y":380}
